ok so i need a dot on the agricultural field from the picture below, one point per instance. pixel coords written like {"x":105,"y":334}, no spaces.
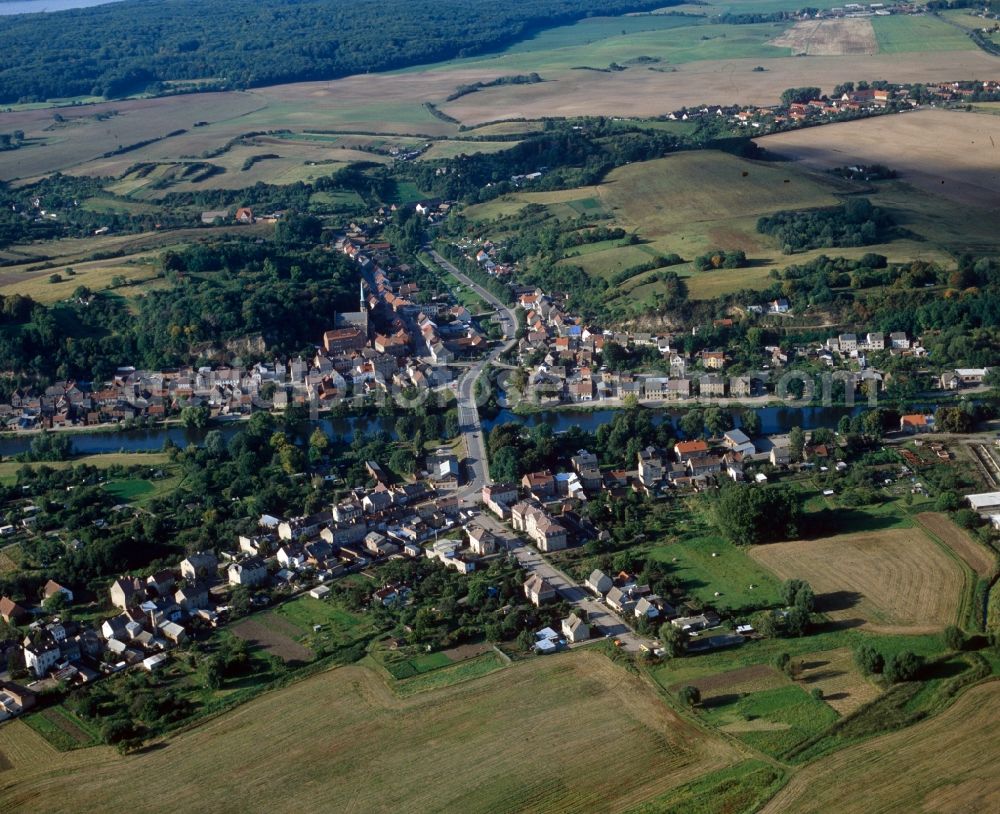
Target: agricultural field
{"x":772,"y":720}
{"x":299,"y":631}
{"x":669,"y":61}
{"x":980,"y":559}
{"x":452,"y":148}
{"x":903,"y":33}
{"x":893,"y":580}
{"x":923,"y":147}
{"x":581,"y":709}
{"x":829,"y":37}
{"x":904,"y":771}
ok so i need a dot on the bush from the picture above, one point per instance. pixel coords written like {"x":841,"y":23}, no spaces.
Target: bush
{"x":954,"y":638}
{"x":55,"y":278}
{"x":690,"y":695}
{"x":869,"y":660}
{"x":903,"y":666}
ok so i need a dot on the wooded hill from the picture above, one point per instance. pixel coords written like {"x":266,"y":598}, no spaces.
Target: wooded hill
{"x":136,"y":45}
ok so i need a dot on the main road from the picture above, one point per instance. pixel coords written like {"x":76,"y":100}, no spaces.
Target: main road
{"x":599,"y":615}
{"x":477,"y":466}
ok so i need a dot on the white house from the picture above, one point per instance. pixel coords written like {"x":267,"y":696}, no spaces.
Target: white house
{"x":575,"y":629}
{"x":249,"y":572}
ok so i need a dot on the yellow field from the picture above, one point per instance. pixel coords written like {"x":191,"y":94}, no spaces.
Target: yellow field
{"x":945,"y":765}
{"x":893,"y":581}
{"x":974,"y":554}
{"x":450,"y":148}
{"x":567,"y":733}
{"x":947,"y":153}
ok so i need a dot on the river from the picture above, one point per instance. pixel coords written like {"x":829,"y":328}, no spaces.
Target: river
{"x":32,"y":6}
{"x":773,"y":420}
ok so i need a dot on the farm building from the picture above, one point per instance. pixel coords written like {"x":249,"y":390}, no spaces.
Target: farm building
{"x":984,"y":502}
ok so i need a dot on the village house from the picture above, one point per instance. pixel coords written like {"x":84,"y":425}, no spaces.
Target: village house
{"x":482,"y":542}
{"x":684,"y":450}
{"x":540,"y":484}
{"x":916,"y":423}
{"x":498,"y":498}
{"x":599,"y":582}
{"x":250,"y":572}
{"x":52,"y":587}
{"x":200,"y":565}
{"x":11,"y":612}
{"x":738,"y":441}
{"x":126,"y":592}
{"x":651,"y":466}
{"x":575,"y":629}
{"x":547,"y":534}
{"x":538,"y":591}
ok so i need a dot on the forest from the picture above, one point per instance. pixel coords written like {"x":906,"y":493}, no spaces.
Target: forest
{"x":138,"y":46}
{"x":855,"y":223}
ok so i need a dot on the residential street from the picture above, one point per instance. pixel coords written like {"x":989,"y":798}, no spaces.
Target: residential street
{"x":604,"y":621}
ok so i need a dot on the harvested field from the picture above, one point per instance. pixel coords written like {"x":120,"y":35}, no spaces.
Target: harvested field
{"x":89,"y":131}
{"x":946,"y":153}
{"x":838,"y":37}
{"x":580,"y":709}
{"x":892,"y":581}
{"x":944,"y":765}
{"x":973,"y":554}
{"x":716,"y":65}
{"x":273,"y":634}
{"x":833,"y":671}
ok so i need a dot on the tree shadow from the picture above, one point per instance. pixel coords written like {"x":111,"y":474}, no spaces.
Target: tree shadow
{"x":838,"y":601}
{"x":717,"y":701}
{"x":827,"y":522}
{"x":812,"y":665}
{"x":834,"y":626}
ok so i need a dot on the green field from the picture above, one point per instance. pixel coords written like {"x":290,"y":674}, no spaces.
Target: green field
{"x":904,"y":33}
{"x":730,"y":572}
{"x":130,"y":489}
{"x":743,"y":787}
{"x":786,"y":717}
{"x":338,"y":626}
